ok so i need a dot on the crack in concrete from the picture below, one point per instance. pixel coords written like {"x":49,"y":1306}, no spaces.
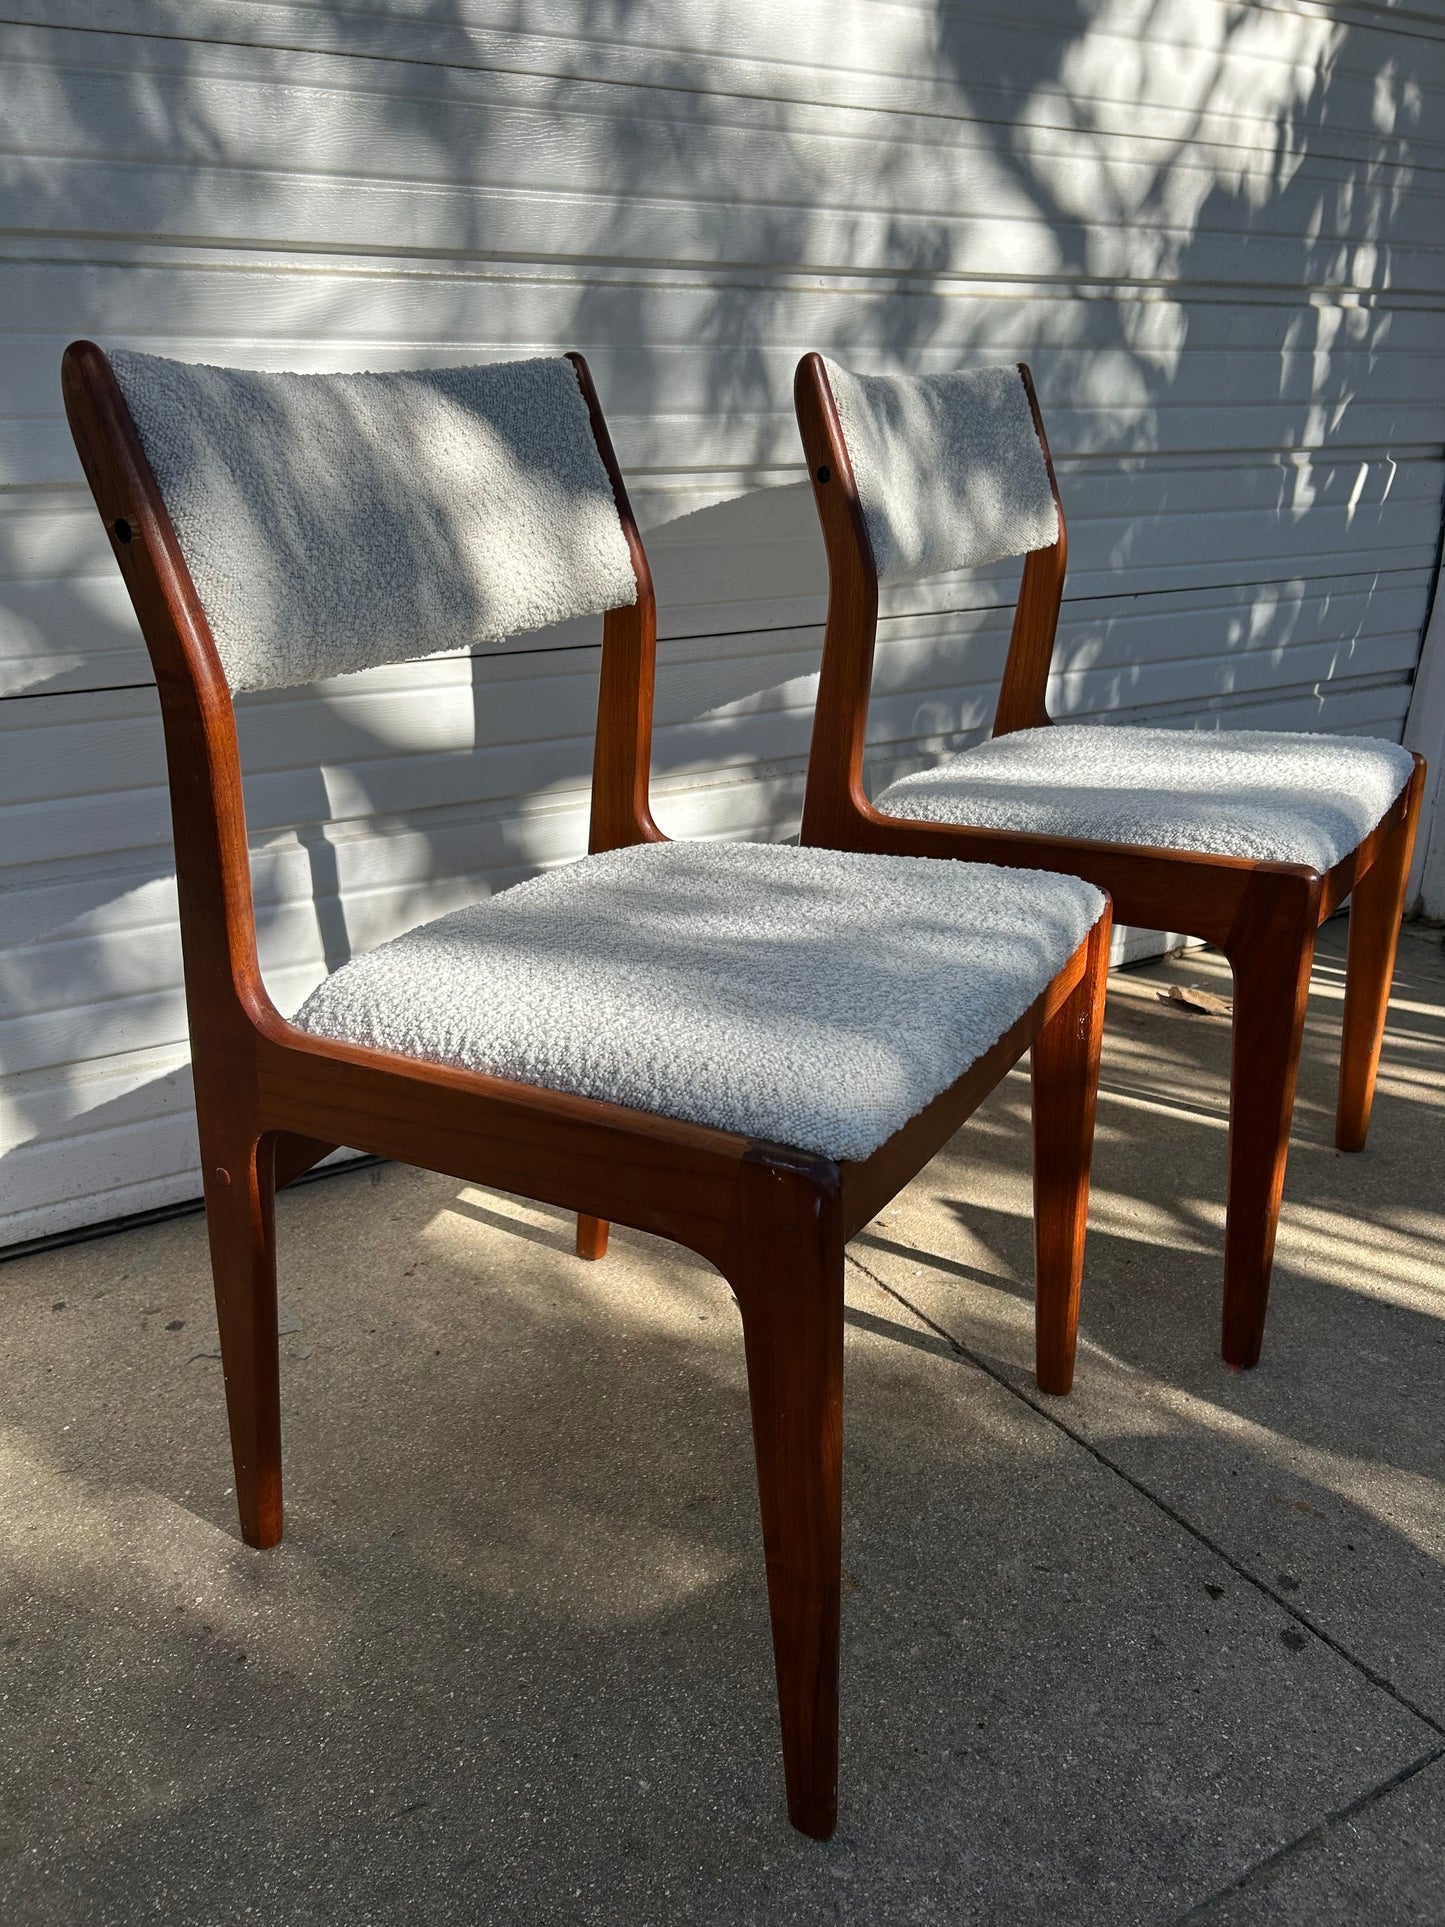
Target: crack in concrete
{"x":1017,"y":1391}
{"x":1361,"y":1666}
{"x":1317,"y":1832}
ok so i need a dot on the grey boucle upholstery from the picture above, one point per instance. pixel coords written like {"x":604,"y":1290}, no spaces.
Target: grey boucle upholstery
{"x":806,"y":997}
{"x":949,"y":468}
{"x":335,"y":522}
{"x":1264,"y":794}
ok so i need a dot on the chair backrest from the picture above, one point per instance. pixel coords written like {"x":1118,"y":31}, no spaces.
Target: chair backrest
{"x":334,"y":522}
{"x":379,"y":518}
{"x":913,"y":477}
{"x":949,"y":469}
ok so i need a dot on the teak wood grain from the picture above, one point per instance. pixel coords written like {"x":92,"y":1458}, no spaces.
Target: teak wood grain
{"x":271,"y":1100}
{"x":1263,"y":916}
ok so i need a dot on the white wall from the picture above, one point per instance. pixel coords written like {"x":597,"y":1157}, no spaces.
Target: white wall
{"x":1214,"y":229}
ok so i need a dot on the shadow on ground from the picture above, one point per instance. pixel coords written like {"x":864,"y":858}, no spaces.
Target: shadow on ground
{"x":511,"y":1663}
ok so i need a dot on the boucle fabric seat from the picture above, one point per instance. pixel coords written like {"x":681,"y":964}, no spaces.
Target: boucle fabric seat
{"x":806,"y":997}
{"x":1262,"y":794}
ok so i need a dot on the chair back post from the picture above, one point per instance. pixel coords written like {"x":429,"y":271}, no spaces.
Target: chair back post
{"x":1023,"y":697}
{"x":226,"y":998}
{"x":835,"y":795}
{"x":622,"y":757}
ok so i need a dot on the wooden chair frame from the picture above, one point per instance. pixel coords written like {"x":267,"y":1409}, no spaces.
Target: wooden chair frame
{"x":1263,"y":916}
{"x":272,"y":1100}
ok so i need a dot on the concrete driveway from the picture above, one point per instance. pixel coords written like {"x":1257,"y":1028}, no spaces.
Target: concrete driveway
{"x":1172,"y":1649}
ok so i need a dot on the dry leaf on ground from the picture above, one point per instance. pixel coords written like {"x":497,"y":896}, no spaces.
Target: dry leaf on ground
{"x":1191,"y":997}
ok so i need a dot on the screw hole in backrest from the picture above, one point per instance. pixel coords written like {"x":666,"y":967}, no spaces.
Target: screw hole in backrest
{"x":825,"y":473}
{"x":121,"y":529}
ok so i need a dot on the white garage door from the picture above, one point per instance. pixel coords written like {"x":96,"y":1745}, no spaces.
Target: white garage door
{"x":1214,"y":230}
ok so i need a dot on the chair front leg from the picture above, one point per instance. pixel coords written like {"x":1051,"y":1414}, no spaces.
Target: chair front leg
{"x":592,"y":1235}
{"x":786,"y":1268}
{"x":1270,"y":951}
{"x":240,"y":1219}
{"x":1377,"y":905}
{"x":1064,"y":1067}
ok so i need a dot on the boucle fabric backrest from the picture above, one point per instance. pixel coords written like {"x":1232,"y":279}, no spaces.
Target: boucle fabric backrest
{"x":335,"y":522}
{"x":949,"y":468}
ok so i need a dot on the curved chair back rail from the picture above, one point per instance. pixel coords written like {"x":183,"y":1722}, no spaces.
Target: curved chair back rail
{"x":272,"y":1098}
{"x":1262,"y":913}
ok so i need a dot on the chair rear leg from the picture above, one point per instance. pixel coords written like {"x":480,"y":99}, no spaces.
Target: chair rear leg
{"x":787,"y":1272}
{"x":1271,"y":958}
{"x":1065,"y":1075}
{"x":591,"y":1236}
{"x":1376,"y":907}
{"x":240,"y":1218}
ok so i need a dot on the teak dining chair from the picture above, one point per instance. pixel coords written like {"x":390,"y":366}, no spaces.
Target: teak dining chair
{"x":1248,"y":839}
{"x":745,"y":1048}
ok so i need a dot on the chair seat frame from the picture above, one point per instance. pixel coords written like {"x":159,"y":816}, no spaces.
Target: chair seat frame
{"x":1263,"y":915}
{"x":272,"y":1100}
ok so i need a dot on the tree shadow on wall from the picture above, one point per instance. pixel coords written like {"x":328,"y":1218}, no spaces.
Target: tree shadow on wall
{"x":1134,"y":204}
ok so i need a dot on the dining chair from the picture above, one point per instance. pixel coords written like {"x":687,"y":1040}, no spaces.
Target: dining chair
{"x":1248,"y":839}
{"x":746,"y":1048}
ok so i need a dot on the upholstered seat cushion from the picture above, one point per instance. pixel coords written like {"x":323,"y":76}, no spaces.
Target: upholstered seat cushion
{"x":1264,"y":794}
{"x":806,"y":997}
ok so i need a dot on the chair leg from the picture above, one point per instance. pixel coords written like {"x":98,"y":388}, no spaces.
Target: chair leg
{"x":240,"y":1218}
{"x":1271,"y":959}
{"x":591,"y":1236}
{"x":787,"y":1272}
{"x":1065,"y":1075}
{"x":1376,"y":907}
